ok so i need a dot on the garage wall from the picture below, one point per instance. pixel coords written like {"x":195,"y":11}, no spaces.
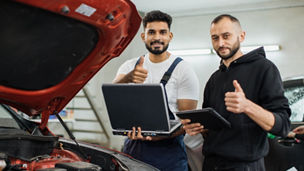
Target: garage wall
{"x":276,"y":26}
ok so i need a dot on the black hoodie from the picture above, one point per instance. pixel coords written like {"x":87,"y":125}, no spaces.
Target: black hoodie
{"x":262,"y":84}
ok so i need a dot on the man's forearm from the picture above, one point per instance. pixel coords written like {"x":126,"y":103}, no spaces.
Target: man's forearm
{"x":122,"y":78}
{"x":262,"y":117}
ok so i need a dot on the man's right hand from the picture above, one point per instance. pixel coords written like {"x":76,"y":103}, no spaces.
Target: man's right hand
{"x":139,"y":74}
{"x":193,"y":128}
{"x":136,"y":135}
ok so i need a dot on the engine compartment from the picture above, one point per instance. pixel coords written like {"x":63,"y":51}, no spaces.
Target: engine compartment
{"x":19,"y":150}
{"x":25,"y":146}
{"x":44,"y":161}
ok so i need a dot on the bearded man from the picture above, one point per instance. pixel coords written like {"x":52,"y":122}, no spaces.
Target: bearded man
{"x":182,"y":89}
{"x":246,"y":90}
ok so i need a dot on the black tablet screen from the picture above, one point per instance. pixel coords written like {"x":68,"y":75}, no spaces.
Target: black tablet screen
{"x":208,"y":117}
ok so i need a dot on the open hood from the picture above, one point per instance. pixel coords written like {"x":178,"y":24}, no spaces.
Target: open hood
{"x":51,"y":48}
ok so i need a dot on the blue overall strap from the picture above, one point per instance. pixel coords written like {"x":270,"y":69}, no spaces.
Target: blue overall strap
{"x":168,"y":73}
{"x":166,"y":78}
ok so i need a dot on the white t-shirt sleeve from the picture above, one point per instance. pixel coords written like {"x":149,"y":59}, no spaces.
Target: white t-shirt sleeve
{"x":126,"y":67}
{"x":188,"y":84}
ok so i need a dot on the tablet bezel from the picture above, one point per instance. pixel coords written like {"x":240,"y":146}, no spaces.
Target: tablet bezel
{"x":207,"y":117}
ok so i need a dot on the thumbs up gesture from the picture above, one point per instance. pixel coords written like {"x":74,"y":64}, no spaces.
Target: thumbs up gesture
{"x":236,"y":101}
{"x":139,"y":74}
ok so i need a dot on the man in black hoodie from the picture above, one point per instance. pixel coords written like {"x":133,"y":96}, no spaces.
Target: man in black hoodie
{"x":247,"y":90}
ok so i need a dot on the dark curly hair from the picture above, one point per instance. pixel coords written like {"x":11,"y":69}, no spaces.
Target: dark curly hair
{"x":157,"y":16}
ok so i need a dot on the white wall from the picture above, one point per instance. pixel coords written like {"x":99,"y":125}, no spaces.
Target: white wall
{"x":276,"y":26}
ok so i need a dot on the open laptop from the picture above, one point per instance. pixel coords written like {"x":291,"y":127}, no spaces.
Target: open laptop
{"x":138,"y":105}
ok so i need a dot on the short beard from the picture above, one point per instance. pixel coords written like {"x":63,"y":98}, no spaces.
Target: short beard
{"x":232,"y":52}
{"x":156,"y":51}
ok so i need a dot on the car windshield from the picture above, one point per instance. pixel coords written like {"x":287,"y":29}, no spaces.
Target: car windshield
{"x":6,"y":119}
{"x":295,"y":97}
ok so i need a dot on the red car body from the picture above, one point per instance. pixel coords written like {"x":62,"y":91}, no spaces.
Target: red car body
{"x":49,"y":50}
{"x":115,"y":21}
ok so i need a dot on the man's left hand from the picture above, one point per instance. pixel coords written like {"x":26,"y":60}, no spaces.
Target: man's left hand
{"x":236,"y":101}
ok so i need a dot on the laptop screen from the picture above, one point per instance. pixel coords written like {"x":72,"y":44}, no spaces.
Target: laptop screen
{"x":139,"y":105}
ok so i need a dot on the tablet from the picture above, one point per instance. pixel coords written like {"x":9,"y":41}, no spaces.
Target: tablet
{"x":207,"y":117}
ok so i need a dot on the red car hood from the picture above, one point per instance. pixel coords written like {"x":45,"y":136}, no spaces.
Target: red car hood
{"x":51,"y":48}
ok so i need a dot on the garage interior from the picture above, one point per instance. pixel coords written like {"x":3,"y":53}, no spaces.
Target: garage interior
{"x":266,"y":22}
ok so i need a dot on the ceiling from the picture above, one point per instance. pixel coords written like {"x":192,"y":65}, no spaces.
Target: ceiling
{"x":204,"y":7}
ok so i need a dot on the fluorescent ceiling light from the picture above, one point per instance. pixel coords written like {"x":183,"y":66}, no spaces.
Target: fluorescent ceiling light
{"x":248,"y":48}
{"x":189,"y":52}
{"x":245,"y":49}
{"x":267,"y":48}
{"x":270,"y":48}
